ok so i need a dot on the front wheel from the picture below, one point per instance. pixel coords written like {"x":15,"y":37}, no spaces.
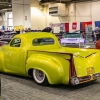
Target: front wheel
{"x":39,"y":77}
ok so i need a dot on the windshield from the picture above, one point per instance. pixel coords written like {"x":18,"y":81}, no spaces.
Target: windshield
{"x":72,"y":35}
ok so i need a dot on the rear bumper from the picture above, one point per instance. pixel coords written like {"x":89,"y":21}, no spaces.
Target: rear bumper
{"x":84,"y":79}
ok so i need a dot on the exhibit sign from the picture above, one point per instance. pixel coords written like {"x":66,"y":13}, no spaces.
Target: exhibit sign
{"x":74,"y":25}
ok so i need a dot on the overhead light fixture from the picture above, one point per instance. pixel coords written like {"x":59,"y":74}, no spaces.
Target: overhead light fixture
{"x":9,"y":5}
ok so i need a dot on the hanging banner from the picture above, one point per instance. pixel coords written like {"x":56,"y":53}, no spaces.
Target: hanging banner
{"x":66,"y":27}
{"x":97,"y":24}
{"x":62,"y":27}
{"x":83,"y":25}
{"x":74,"y":25}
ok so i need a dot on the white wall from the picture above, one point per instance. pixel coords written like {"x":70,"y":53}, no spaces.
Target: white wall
{"x":38,"y":16}
{"x":80,"y":12}
{"x":20,"y":9}
{"x":38,"y":20}
{"x":3,"y":21}
{"x":95,"y":12}
{"x":77,"y":13}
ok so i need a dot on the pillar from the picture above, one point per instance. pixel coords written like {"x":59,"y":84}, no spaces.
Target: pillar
{"x":21,"y":13}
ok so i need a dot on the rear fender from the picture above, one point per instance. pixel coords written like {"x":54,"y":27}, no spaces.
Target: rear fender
{"x":81,"y":64}
{"x":53,"y":67}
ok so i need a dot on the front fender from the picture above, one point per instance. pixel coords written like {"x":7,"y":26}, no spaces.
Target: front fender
{"x":51,"y":66}
{"x":1,"y":61}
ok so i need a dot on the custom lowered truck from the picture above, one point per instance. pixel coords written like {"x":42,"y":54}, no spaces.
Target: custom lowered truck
{"x":41,"y":56}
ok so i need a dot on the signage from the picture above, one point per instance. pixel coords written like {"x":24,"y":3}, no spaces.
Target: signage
{"x":74,"y":25}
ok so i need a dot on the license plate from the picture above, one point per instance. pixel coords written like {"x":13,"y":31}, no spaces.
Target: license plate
{"x":90,"y":70}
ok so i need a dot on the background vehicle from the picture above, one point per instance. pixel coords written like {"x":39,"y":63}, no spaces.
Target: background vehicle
{"x":7,"y":36}
{"x":73,"y":40}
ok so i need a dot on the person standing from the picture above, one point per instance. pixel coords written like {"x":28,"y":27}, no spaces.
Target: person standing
{"x":92,"y":35}
{"x":96,"y":34}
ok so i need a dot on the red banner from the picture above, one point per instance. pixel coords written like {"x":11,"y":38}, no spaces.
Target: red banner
{"x":66,"y":27}
{"x":85,"y":24}
{"x":74,"y":25}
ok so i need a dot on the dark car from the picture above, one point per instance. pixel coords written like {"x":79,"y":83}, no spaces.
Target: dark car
{"x":7,"y":36}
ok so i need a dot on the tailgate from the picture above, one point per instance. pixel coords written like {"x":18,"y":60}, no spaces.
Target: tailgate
{"x":88,"y":65}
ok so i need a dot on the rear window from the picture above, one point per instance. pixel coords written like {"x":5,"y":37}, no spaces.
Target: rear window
{"x":43,"y":41}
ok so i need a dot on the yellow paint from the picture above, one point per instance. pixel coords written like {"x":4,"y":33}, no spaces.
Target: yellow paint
{"x":52,"y":59}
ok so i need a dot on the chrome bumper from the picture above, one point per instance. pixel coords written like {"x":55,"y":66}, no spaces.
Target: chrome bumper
{"x":79,"y":80}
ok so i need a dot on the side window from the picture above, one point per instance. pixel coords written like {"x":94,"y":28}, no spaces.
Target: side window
{"x":15,"y":42}
{"x":43,"y":41}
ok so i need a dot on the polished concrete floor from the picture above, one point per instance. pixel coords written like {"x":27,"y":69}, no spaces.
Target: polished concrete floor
{"x":21,"y":88}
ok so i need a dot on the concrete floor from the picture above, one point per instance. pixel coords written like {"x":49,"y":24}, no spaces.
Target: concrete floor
{"x":21,"y":88}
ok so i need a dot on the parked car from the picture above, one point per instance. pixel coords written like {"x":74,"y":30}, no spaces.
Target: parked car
{"x":73,"y":39}
{"x":3,"y":43}
{"x":7,"y":36}
{"x":41,"y":56}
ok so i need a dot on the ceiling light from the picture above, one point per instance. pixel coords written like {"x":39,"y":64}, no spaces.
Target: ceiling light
{"x":9,"y":5}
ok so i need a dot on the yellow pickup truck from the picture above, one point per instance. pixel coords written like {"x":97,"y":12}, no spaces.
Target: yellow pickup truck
{"x":41,"y":56}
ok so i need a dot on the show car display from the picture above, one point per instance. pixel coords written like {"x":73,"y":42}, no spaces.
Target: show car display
{"x":75,"y":39}
{"x":41,"y":56}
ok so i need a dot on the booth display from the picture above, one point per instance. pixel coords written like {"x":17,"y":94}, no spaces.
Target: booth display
{"x":87,"y":27}
{"x":40,"y":55}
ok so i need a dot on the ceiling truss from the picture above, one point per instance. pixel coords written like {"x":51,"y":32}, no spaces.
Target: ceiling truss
{"x":68,"y":1}
{"x":5,"y":4}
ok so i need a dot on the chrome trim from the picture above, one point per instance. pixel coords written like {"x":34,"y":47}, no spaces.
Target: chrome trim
{"x":96,"y":75}
{"x":85,"y":78}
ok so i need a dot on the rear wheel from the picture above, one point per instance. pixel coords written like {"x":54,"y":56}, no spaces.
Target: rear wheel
{"x":39,"y":77}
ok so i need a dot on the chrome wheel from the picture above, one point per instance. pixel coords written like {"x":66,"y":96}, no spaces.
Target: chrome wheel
{"x":39,"y":76}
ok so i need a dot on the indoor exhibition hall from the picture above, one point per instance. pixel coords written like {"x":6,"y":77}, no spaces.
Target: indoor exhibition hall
{"x":49,"y":49}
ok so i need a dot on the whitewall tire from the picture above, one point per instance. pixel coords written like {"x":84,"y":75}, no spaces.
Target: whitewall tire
{"x":39,"y":77}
